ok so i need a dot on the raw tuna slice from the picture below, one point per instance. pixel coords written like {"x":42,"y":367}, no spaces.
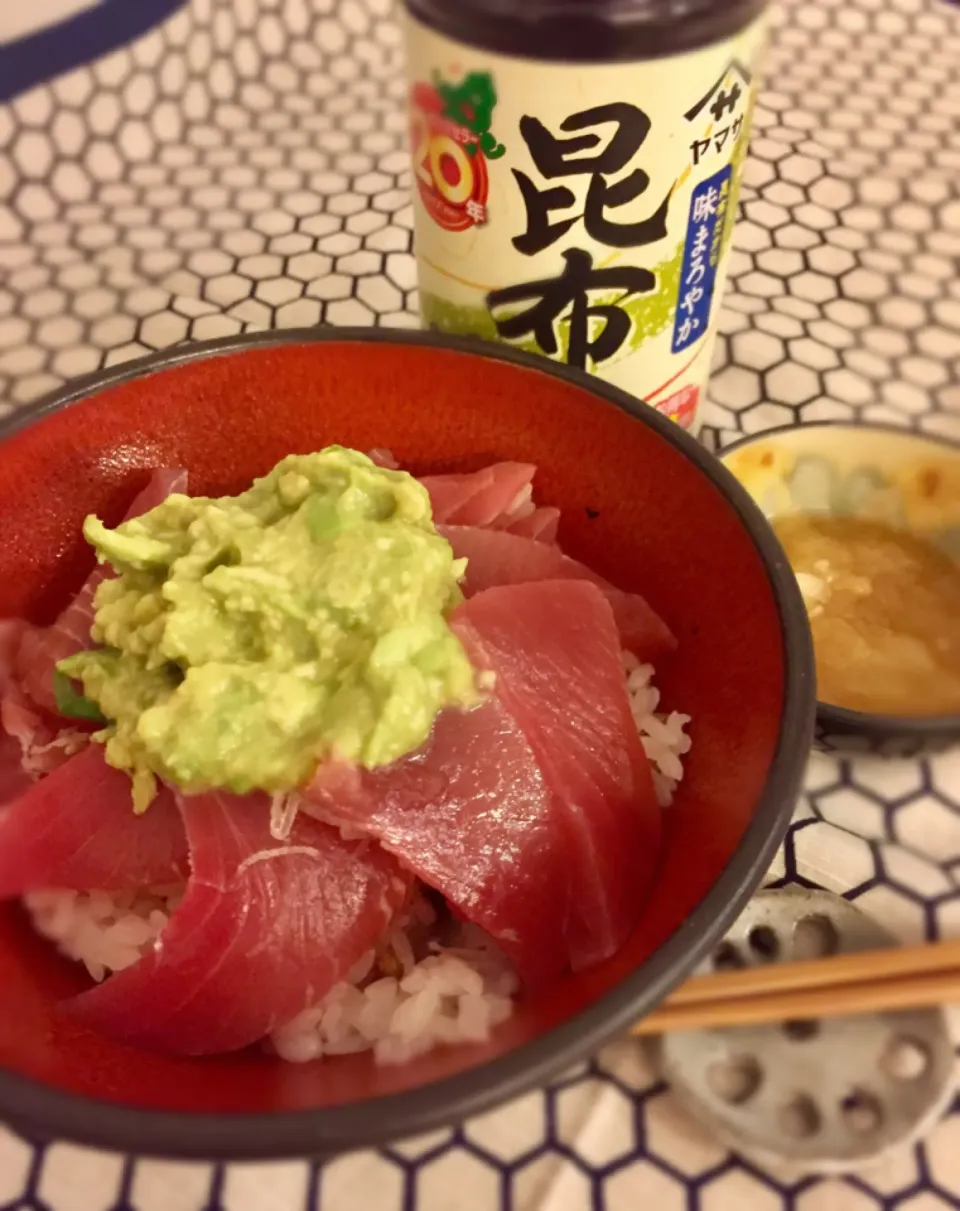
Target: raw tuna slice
{"x":383,"y":458}
{"x":19,"y":718}
{"x":76,"y":829}
{"x":31,"y":743}
{"x":541,"y":524}
{"x":494,"y":496}
{"x":470,"y":814}
{"x":554,"y":648}
{"x":265,"y":929}
{"x":41,"y":648}
{"x":14,"y":779}
{"x":496,"y":559}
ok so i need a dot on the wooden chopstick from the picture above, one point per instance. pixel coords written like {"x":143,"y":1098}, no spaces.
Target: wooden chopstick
{"x":867,"y":982}
{"x":884,"y":963}
{"x":868,"y":997}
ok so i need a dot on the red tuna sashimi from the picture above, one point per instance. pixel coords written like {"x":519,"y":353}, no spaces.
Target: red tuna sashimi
{"x":76,"y":829}
{"x":265,"y":929}
{"x":14,"y":779}
{"x":554,"y":648}
{"x":496,"y":559}
{"x":41,"y":648}
{"x":383,"y":458}
{"x":31,"y":744}
{"x":541,"y":524}
{"x":19,"y":718}
{"x":494,"y":496}
{"x":470,"y":814}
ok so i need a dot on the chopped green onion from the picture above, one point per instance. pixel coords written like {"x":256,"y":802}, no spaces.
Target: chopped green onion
{"x":70,"y":703}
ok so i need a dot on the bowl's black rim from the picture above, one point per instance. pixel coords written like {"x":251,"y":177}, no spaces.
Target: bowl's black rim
{"x":38,"y":1109}
{"x":840,"y":718}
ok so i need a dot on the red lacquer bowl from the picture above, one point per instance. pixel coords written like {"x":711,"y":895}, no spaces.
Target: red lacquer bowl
{"x":642,"y":502}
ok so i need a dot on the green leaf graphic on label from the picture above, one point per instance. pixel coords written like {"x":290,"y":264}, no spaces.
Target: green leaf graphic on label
{"x":471,"y":104}
{"x":649,"y":314}
{"x":490,"y":147}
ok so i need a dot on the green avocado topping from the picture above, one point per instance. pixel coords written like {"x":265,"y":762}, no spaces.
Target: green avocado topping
{"x":247,"y":638}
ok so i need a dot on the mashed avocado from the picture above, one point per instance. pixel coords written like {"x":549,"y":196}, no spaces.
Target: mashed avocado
{"x":247,"y":638}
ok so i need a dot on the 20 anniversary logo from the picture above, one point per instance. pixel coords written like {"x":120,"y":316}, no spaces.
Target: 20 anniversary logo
{"x":451,"y":144}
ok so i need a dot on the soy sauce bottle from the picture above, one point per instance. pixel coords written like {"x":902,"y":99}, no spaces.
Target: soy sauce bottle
{"x":576,"y":171}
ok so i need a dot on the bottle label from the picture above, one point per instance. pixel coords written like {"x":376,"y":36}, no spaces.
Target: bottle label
{"x":582,"y":211}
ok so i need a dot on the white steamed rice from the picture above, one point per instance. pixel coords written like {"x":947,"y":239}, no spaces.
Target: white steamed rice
{"x":411,"y":994}
{"x":435,"y":994}
{"x":104,"y":930}
{"x":663,"y":736}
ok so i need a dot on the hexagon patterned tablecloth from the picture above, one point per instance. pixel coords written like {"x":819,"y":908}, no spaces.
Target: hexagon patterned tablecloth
{"x":243,"y":166}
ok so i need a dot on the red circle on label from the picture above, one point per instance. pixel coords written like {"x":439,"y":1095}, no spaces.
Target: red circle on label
{"x":449,"y":167}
